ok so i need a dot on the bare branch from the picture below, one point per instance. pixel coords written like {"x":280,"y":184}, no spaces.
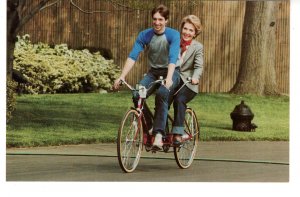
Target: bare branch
{"x":87,"y":11}
{"x":35,"y":10}
{"x":49,"y":5}
{"x":116,"y":4}
{"x":21,"y":6}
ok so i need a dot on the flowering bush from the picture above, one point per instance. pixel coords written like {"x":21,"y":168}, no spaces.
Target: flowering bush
{"x":59,"y":69}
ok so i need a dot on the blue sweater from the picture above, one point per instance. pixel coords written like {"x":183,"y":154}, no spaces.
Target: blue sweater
{"x":163,"y":48}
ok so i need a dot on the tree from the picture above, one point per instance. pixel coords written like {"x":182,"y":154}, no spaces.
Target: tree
{"x":16,"y":20}
{"x":257,"y":66}
{"x":15,"y":23}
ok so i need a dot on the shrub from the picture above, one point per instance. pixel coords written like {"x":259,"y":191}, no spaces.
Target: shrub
{"x":10,"y":98}
{"x":59,"y":69}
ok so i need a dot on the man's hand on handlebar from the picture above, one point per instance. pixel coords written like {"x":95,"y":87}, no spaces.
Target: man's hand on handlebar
{"x":118,"y":82}
{"x":168,"y":83}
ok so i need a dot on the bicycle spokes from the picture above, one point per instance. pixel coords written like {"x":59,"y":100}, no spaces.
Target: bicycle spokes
{"x":185,"y":154}
{"x":130,"y":141}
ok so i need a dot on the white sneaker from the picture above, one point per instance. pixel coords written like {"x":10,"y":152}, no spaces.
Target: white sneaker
{"x":158,"y":141}
{"x":185,"y":136}
{"x":150,"y":131}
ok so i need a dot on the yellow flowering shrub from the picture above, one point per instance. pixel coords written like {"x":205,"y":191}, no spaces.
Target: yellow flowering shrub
{"x":59,"y":69}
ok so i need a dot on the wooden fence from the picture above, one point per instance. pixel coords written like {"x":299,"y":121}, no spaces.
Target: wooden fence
{"x":115,"y":29}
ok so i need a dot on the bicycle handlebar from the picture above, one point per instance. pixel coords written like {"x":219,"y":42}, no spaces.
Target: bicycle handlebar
{"x":143,"y":90}
{"x":124,"y":82}
{"x":189,"y":80}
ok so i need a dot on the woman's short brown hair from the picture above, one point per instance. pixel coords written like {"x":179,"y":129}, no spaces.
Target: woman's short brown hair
{"x":194,"y":20}
{"x":163,"y":10}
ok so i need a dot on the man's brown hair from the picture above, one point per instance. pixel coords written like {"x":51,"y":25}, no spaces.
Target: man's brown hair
{"x":163,"y":10}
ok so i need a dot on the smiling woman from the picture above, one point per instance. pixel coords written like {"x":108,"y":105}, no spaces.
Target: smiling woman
{"x":191,"y":67}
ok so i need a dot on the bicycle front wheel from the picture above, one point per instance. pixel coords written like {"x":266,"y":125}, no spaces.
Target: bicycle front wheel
{"x":130,"y":141}
{"x":185,"y":154}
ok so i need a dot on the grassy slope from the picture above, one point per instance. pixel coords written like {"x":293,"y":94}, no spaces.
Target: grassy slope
{"x":42,"y":120}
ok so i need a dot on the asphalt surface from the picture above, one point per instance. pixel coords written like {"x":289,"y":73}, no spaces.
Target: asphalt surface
{"x":242,"y":161}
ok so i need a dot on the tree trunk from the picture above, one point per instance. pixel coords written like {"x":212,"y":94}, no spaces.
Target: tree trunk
{"x":13,"y":21}
{"x":14,"y":24}
{"x":257,"y":67}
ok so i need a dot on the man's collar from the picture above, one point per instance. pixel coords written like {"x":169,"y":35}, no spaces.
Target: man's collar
{"x":160,"y":34}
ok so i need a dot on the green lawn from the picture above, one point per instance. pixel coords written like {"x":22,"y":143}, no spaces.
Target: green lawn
{"x":57,"y":119}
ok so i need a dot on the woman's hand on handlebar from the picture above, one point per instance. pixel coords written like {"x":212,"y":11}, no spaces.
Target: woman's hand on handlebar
{"x":194,"y":81}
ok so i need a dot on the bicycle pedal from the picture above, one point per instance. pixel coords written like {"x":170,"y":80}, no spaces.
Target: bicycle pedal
{"x":155,"y":148}
{"x":147,"y":149}
{"x":166,"y":148}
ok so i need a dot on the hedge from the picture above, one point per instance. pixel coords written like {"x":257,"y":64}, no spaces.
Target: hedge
{"x":59,"y":69}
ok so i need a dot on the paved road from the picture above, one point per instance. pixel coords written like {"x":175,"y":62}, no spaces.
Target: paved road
{"x":214,"y":162}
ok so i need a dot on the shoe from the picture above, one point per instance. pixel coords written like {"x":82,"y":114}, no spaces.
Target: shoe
{"x":185,"y":137}
{"x":177,"y":140}
{"x":157,"y":144}
{"x":150,"y":131}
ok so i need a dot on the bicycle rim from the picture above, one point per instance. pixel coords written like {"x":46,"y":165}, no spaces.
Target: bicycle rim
{"x":130,"y":141}
{"x":185,"y":154}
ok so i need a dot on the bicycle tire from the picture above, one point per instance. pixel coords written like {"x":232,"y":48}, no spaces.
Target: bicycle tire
{"x":185,"y":154}
{"x":130,"y":141}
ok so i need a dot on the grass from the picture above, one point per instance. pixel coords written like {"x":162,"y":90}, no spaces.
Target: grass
{"x":57,"y":119}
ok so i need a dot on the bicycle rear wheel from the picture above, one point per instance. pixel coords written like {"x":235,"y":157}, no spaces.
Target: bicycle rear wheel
{"x":185,"y":154}
{"x":130,"y":141}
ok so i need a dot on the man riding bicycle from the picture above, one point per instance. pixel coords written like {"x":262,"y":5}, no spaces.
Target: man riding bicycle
{"x":164,"y":46}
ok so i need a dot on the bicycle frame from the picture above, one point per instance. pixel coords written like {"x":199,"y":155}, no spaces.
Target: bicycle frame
{"x":147,"y":138}
{"x":134,"y":136}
